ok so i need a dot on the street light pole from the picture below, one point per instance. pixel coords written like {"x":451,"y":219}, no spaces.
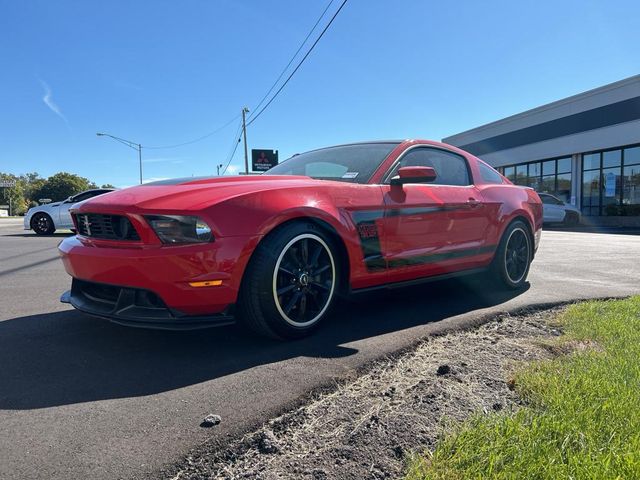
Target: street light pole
{"x":128,"y":143}
{"x":218,"y":167}
{"x":245,"y":110}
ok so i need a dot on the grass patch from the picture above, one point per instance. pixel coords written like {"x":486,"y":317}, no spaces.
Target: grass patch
{"x":582,"y":413}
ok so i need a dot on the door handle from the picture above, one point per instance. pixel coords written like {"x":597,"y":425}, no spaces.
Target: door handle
{"x":473,"y":203}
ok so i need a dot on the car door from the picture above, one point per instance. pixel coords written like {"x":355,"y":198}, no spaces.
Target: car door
{"x":437,"y":227}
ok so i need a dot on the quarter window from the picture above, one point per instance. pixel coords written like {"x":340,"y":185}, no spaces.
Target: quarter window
{"x":451,"y":169}
{"x":488,"y":174}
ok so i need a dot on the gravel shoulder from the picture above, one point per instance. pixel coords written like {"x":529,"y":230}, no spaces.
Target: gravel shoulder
{"x":367,"y":427}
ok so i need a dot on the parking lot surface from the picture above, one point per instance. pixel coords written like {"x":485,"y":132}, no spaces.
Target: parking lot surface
{"x":83,"y":398}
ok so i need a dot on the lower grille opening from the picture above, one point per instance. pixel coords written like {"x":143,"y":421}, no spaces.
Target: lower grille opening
{"x":111,"y":297}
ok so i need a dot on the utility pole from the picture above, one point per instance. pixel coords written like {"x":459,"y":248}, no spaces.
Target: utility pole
{"x":245,"y":110}
{"x":140,"y":160}
{"x":218,"y":167}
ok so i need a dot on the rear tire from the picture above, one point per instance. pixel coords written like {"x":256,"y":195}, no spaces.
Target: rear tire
{"x":42,"y":224}
{"x":291,"y":282}
{"x":511,"y":263}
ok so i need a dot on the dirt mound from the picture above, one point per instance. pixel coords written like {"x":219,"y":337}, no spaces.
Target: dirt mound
{"x":365,"y":428}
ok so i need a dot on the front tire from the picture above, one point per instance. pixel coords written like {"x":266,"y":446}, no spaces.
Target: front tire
{"x":290,"y":283}
{"x":511,"y":264}
{"x":42,"y":224}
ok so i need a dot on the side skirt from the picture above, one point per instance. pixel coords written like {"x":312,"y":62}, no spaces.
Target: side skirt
{"x":418,"y":281}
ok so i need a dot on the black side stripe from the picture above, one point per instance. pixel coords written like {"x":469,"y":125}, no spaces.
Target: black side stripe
{"x":440,"y":257}
{"x":365,"y":221}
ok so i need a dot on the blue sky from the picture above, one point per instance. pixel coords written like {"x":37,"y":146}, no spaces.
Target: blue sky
{"x":164,"y":72}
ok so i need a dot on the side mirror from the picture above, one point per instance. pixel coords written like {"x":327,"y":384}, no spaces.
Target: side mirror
{"x":414,"y":175}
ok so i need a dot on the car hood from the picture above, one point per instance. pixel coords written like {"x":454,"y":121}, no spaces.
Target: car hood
{"x":45,"y":207}
{"x":188,"y":194}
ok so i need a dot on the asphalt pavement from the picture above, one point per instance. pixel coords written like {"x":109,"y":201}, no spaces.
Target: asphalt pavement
{"x":83,"y":398}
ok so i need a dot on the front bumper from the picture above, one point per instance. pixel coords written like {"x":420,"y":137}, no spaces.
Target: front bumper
{"x":165,"y":272}
{"x":135,"y":307}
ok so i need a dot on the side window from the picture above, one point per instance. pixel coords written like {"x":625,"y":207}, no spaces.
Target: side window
{"x":546,"y":199}
{"x":488,"y":174}
{"x":82,"y":196}
{"x":451,"y":169}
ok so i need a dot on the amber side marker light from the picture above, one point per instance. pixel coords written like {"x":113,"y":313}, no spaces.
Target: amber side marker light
{"x":209,"y":283}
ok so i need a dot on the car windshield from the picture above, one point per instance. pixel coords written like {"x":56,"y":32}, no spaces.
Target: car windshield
{"x":345,"y":163}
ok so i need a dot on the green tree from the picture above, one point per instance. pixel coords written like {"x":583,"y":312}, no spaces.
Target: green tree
{"x":13,"y":196}
{"x":107,"y":185}
{"x":62,"y":185}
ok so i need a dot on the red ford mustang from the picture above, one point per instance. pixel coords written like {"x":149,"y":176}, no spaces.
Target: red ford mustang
{"x":274,"y":251}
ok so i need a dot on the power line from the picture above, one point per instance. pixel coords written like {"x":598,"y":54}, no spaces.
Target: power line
{"x":236,"y":142}
{"x":219,"y":129}
{"x":293,"y":57}
{"x":255,"y":117}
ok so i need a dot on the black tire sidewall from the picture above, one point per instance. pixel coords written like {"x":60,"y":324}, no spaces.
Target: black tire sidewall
{"x":257,"y":286}
{"x":499,"y":268}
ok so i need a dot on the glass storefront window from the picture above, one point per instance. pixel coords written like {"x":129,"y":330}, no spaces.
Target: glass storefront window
{"x":510,"y":173}
{"x":611,"y":158}
{"x":631,"y":189}
{"x":564,"y":165}
{"x":611,"y":191}
{"x":548,"y":184}
{"x":563,"y":187}
{"x":615,"y":192}
{"x":631,"y":156}
{"x":521,"y":175}
{"x":534,"y":175}
{"x":591,"y":192}
{"x":591,"y":161}
{"x":550,"y":176}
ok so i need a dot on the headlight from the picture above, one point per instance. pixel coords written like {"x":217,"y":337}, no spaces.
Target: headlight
{"x":175,"y":229}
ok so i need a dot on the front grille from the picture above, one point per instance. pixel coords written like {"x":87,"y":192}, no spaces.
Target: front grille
{"x":110,"y":227}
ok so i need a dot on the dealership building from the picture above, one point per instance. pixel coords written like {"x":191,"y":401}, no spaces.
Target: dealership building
{"x":584,"y":149}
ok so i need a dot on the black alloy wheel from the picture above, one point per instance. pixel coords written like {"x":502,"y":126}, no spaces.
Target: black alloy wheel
{"x":304,"y":280}
{"x":291,"y":282}
{"x":512,"y":260}
{"x":517,"y":255}
{"x":42,"y":224}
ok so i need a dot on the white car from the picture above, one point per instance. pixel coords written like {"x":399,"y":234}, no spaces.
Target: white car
{"x":46,"y":219}
{"x":555,"y":210}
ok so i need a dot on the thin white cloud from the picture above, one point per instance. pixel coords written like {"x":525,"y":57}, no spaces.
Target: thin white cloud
{"x":232,"y":169}
{"x":48,"y":101}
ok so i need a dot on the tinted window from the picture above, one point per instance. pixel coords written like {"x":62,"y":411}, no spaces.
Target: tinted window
{"x":451,"y":169}
{"x":82,"y":196}
{"x":346,"y":163}
{"x":489,"y":175}
{"x":550,"y":200}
